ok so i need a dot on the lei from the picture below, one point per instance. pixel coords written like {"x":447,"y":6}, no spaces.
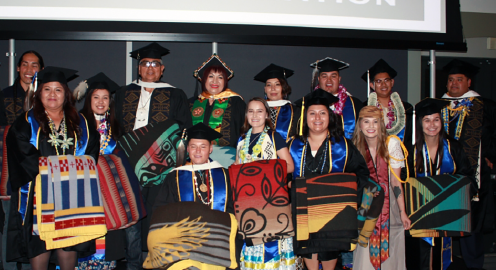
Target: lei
{"x":395,"y":108}
{"x":105,"y":132}
{"x":460,"y":111}
{"x":342,"y":95}
{"x":257,"y":148}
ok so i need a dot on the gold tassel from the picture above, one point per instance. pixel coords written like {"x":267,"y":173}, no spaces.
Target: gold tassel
{"x":301,"y":116}
{"x":181,"y":151}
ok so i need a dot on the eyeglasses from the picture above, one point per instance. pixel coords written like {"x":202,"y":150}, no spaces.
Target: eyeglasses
{"x":386,"y":81}
{"x":150,"y":64}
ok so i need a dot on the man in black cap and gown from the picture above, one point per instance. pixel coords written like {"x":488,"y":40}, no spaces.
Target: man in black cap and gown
{"x":148,"y":100}
{"x":471,"y":119}
{"x":329,"y":80}
{"x":397,"y":113}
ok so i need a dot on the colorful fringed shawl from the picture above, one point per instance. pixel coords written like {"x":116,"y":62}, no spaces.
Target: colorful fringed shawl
{"x":151,"y":151}
{"x":4,"y":173}
{"x":189,"y":234}
{"x":68,"y":204}
{"x":325,"y":210}
{"x":121,"y":192}
{"x":438,"y":205}
{"x":261,"y":201}
{"x":379,"y":240}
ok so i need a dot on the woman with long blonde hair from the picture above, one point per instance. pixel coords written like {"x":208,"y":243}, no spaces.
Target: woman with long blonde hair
{"x":384,"y":157}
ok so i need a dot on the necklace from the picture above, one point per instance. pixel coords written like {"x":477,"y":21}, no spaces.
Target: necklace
{"x":342,"y":95}
{"x":257,"y":148}
{"x":54,"y":135}
{"x":322,"y":159}
{"x":396,"y":115}
{"x":142,"y":111}
{"x":203,"y":187}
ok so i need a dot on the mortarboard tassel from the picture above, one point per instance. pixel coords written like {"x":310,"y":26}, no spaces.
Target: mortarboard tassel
{"x":315,"y":76}
{"x":181,"y":150}
{"x":28,"y":100}
{"x":414,"y":122}
{"x":301,"y":116}
{"x":368,"y":84}
{"x":137,"y":71}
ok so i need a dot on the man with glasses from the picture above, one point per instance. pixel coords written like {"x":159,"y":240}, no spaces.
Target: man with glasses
{"x":397,"y":113}
{"x":148,"y":100}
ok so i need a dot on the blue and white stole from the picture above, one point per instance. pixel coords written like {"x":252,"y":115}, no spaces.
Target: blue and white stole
{"x":80,"y":149}
{"x":187,"y":187}
{"x":448,"y":166}
{"x":349,"y":118}
{"x":338,"y":156}
{"x":284,"y":119}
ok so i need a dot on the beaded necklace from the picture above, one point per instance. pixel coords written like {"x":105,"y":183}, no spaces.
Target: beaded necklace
{"x":105,"y":132}
{"x":54,"y":135}
{"x":257,"y":148}
{"x":203,"y":187}
{"x":322,"y":159}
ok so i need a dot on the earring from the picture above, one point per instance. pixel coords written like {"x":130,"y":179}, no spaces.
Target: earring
{"x":265,"y":96}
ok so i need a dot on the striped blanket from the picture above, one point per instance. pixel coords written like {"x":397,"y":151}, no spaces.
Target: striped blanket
{"x":326,"y":213}
{"x":438,"y":205}
{"x":190,"y":234}
{"x":4,"y":171}
{"x":121,"y":192}
{"x":68,"y":206}
{"x":261,"y":201}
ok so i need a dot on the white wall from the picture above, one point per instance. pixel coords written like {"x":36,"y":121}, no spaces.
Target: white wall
{"x":481,"y":6}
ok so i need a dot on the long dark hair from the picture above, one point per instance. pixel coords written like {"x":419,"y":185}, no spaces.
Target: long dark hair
{"x":334,"y":128}
{"x":420,"y":140}
{"x":71,"y":115}
{"x":17,"y":80}
{"x":88,"y":113}
{"x":268,"y":122}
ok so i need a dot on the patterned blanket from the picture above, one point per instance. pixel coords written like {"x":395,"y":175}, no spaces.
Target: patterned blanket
{"x":4,"y":173}
{"x":369,"y":211}
{"x":151,"y":151}
{"x":261,"y":201}
{"x":438,"y":205}
{"x":190,"y":234}
{"x":326,"y":213}
{"x":68,"y":205}
{"x":121,"y":192}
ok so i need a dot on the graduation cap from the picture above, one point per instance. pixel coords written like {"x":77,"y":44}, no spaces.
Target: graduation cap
{"x":273,"y":71}
{"x":317,"y":97}
{"x":329,"y":64}
{"x":152,"y":50}
{"x":99,"y":81}
{"x":430,"y":106}
{"x":213,"y":60}
{"x":461,"y":67}
{"x":203,"y":132}
{"x":380,"y":67}
{"x":56,"y":74}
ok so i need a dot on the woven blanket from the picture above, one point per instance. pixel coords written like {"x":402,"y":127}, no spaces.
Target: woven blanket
{"x":261,"y":201}
{"x":69,"y":208}
{"x":190,"y":234}
{"x":121,"y":192}
{"x":438,"y":205}
{"x":369,"y":211}
{"x":151,"y":151}
{"x":326,"y":213}
{"x":4,"y":173}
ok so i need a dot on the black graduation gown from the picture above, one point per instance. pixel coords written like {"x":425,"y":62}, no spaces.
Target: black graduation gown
{"x":236,"y":111}
{"x":13,"y":100}
{"x":23,"y":168}
{"x":483,"y":216}
{"x":165,"y":103}
{"x":169,"y":192}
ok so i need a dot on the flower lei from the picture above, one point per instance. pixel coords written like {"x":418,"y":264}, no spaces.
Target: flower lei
{"x":105,"y":132}
{"x":342,"y":95}
{"x":461,"y":109}
{"x":395,"y":108}
{"x":257,"y":148}
{"x":54,"y":140}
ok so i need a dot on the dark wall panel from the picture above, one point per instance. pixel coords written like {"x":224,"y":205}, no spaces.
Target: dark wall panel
{"x":90,"y":57}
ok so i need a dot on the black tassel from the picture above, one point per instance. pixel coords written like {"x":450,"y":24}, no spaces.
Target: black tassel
{"x":196,"y":89}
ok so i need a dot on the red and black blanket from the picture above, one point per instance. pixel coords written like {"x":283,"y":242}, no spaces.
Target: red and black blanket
{"x":261,"y":201}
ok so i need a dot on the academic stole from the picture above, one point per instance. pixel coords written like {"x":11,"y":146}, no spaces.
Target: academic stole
{"x":379,"y":240}
{"x":187,"y":192}
{"x":284,"y":121}
{"x":348,"y":118}
{"x":218,"y":110}
{"x":448,"y":166}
